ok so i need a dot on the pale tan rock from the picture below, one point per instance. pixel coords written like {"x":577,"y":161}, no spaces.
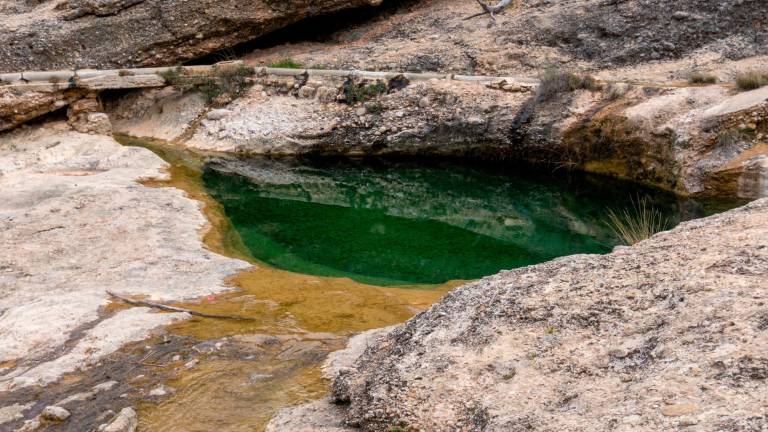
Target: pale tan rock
{"x":126,"y":421}
{"x":678,"y":410}
{"x":57,"y":185}
{"x":694,"y":297}
{"x":54,"y":413}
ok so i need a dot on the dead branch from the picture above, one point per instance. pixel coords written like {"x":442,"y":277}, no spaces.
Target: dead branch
{"x":490,"y":10}
{"x":176,"y":309}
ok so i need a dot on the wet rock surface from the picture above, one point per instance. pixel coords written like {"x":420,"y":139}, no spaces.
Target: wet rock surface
{"x":659,"y":336}
{"x":75,"y":222}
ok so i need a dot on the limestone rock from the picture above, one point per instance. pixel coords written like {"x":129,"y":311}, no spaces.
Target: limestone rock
{"x":218,"y":114}
{"x":307,"y":92}
{"x":678,"y":410}
{"x":85,"y":116}
{"x":54,"y":413}
{"x":327,"y":94}
{"x":122,"y":33}
{"x":17,"y":108}
{"x":126,"y":421}
{"x":681,"y":314}
{"x":64,"y":185}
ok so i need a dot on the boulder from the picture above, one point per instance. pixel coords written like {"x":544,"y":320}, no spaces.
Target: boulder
{"x":668,"y":333}
{"x":54,"y":413}
{"x":85,"y":116}
{"x":126,"y":421}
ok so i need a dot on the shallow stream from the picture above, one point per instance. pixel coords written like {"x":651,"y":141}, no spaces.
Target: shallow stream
{"x":343,"y":246}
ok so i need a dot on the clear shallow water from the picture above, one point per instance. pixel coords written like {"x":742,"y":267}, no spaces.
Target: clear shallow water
{"x":398,"y":223}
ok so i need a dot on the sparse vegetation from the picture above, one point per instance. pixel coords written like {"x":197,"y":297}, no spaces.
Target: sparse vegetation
{"x":637,"y":223}
{"x":728,"y":139}
{"x":354,"y":93}
{"x":374,"y":107}
{"x":702,"y":78}
{"x":229,"y":81}
{"x":616,"y":91}
{"x":286,"y":63}
{"x":124,"y":72}
{"x":318,"y":66}
{"x":735,"y":140}
{"x":172,"y":76}
{"x":751,"y":80}
{"x":555,"y":81}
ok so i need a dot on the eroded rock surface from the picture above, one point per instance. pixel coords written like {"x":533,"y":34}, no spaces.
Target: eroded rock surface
{"x":74,"y":223}
{"x":692,"y":140}
{"x":46,"y":35}
{"x":632,"y":39}
{"x":663,"y":335}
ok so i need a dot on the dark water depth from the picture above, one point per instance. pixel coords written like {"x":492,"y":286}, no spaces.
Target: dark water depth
{"x":396,"y":223}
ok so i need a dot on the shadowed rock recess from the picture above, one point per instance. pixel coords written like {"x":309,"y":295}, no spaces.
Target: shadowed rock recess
{"x":37,"y":35}
{"x":666,"y":334}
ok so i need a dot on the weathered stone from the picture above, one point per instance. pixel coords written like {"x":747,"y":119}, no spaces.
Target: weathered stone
{"x":678,"y":410}
{"x":17,"y":108}
{"x":307,"y":92}
{"x":123,"y":33}
{"x":121,"y":82}
{"x":439,"y":368}
{"x":84,"y":116}
{"x":326,"y":94}
{"x":126,"y":421}
{"x":74,"y":185}
{"x":54,"y":413}
{"x":218,"y":114}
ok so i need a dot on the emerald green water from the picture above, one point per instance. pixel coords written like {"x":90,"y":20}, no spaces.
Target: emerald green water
{"x":395,"y":223}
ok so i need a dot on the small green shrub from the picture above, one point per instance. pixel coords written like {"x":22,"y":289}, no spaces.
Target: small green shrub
{"x":172,"y":76}
{"x":230,"y":81}
{"x":554,"y":82}
{"x":638,"y":223}
{"x":701,"y":78}
{"x":354,"y":93}
{"x":234,"y":80}
{"x":285,"y":63}
{"x":728,"y":139}
{"x":751,"y":80}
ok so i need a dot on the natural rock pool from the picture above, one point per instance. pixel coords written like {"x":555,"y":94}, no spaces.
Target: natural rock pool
{"x":402,"y":223}
{"x":340,"y":247}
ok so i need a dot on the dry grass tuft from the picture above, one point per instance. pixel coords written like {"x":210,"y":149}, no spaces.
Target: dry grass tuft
{"x":702,"y":78}
{"x":751,"y":80}
{"x":638,"y":223}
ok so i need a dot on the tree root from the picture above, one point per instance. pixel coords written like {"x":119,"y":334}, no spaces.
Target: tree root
{"x":176,"y":309}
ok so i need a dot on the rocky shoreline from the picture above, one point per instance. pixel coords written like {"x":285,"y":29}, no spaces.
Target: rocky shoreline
{"x":693,"y":140}
{"x":665,"y":335}
{"x":669,"y":334}
{"x":75,"y":222}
